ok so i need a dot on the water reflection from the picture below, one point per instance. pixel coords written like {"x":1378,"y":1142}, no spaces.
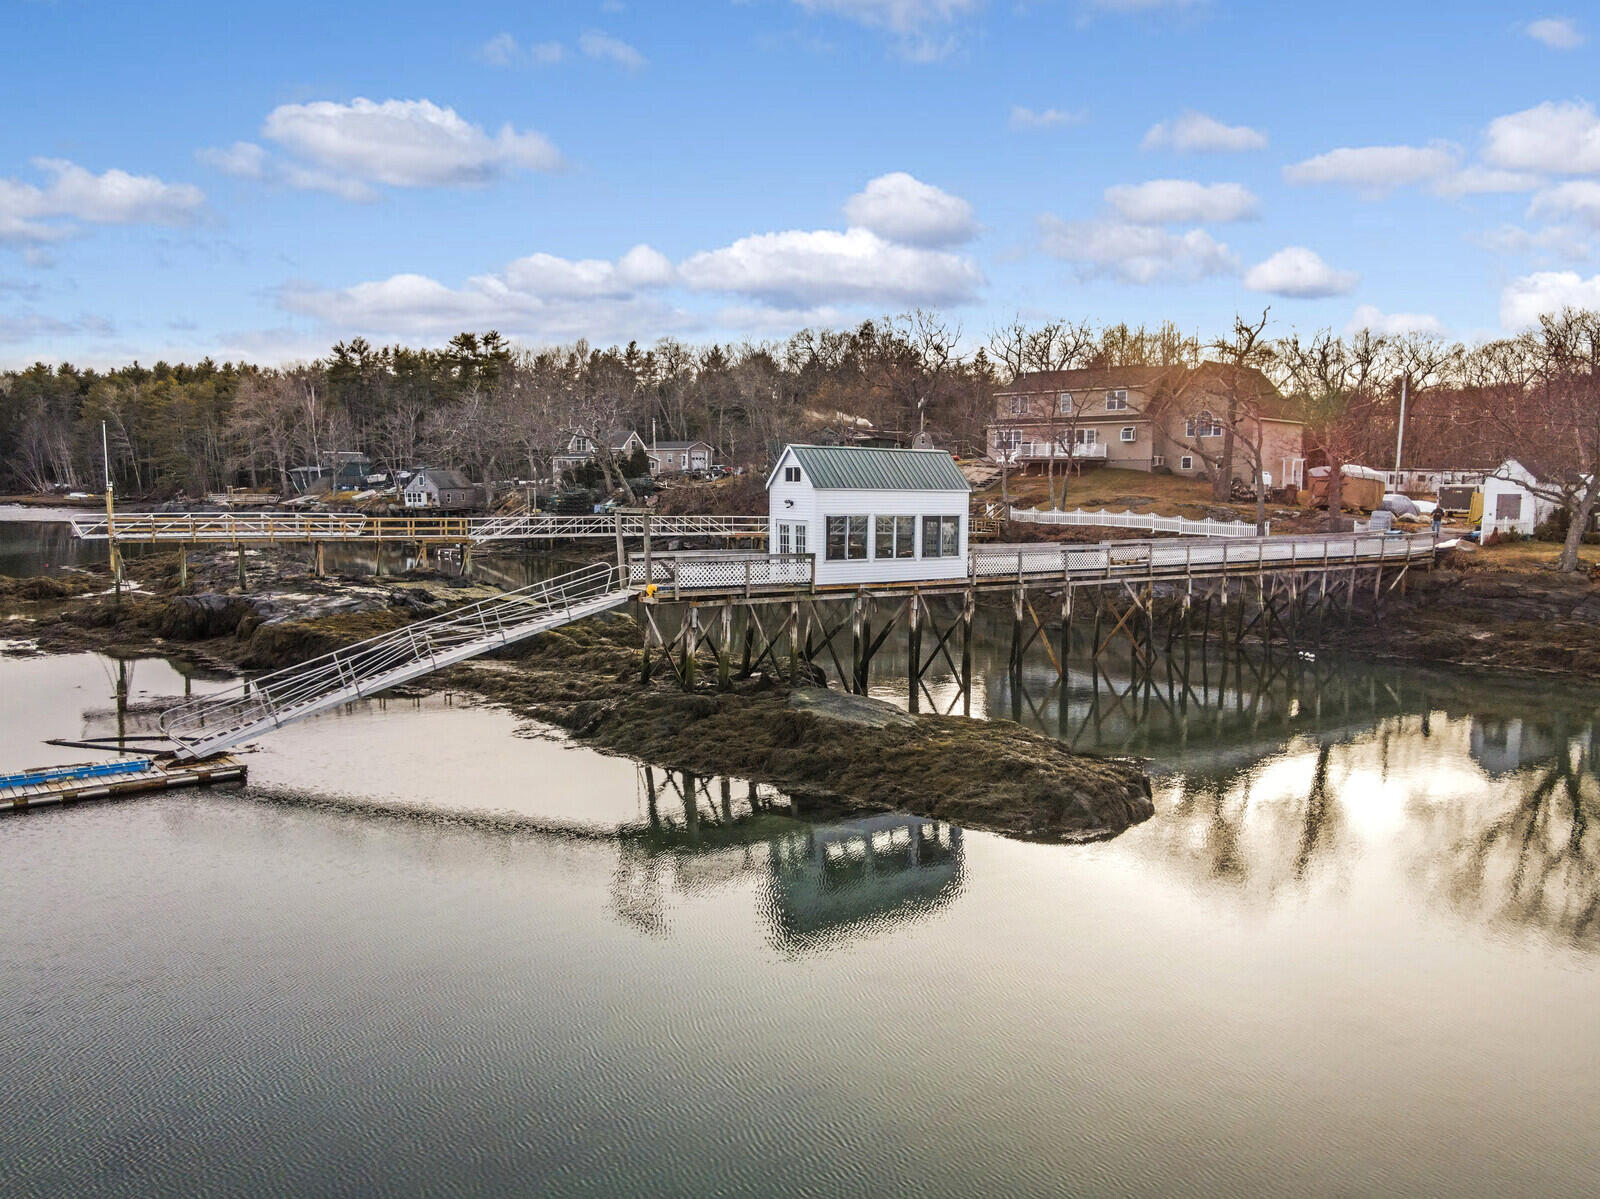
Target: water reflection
{"x":817,"y":884}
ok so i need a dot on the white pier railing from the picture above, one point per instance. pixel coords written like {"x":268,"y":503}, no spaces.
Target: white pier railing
{"x":1147,"y":522}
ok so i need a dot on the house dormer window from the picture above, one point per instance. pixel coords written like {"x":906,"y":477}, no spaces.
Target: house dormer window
{"x":1117,"y":400}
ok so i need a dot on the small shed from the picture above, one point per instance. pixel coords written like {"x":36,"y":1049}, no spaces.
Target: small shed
{"x":440,"y":491}
{"x":870,"y":515}
{"x":1508,"y":504}
{"x":677,"y":457}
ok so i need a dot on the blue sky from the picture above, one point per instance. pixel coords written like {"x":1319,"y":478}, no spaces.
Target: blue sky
{"x":187,"y":179}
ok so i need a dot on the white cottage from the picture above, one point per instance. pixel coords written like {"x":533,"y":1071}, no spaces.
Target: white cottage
{"x":1508,"y":505}
{"x":870,"y":515}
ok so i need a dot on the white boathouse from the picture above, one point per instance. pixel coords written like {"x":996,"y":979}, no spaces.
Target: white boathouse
{"x":870,"y":515}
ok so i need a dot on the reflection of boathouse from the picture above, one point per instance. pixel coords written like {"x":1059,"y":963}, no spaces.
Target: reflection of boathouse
{"x":1504,"y":746}
{"x":855,"y":875}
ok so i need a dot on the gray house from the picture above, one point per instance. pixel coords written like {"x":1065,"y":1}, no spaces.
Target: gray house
{"x":440,"y":491}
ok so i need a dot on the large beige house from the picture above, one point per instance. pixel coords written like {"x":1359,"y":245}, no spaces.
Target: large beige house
{"x":1149,"y":418}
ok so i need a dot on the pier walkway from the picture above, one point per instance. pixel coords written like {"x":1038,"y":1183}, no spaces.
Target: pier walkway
{"x":308,"y":528}
{"x":212,"y":723}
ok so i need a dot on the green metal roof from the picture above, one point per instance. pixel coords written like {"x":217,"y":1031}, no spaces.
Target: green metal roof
{"x":854,"y":468}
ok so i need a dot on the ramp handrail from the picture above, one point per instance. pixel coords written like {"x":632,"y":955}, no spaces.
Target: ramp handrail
{"x":232,"y":528}
{"x":355,"y":669}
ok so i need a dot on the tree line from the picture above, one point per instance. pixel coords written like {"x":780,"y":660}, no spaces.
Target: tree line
{"x":497,"y":411}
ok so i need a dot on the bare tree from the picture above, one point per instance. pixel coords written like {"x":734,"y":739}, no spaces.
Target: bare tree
{"x":1336,"y":385}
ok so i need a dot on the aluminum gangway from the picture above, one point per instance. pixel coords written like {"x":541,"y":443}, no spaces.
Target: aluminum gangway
{"x":209,"y":724}
{"x":303,"y":528}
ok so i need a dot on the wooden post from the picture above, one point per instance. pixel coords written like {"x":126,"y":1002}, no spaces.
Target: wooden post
{"x":794,"y":642}
{"x":648,"y":576}
{"x":857,"y":645}
{"x":969,"y":607}
{"x":914,"y":661}
{"x":691,"y":646}
{"x":622,"y":557}
{"x":319,"y":560}
{"x":243,"y":582}
{"x":183,"y":568}
{"x":1064,"y":671}
{"x":725,"y":649}
{"x":649,"y":637}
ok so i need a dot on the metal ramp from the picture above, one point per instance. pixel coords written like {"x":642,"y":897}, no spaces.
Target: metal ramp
{"x":212,"y":723}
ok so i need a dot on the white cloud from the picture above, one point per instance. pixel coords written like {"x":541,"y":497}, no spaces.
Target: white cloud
{"x":1561,"y":138}
{"x":603,"y":46}
{"x":1562,"y":242}
{"x":1368,"y":316}
{"x":1181,"y":200}
{"x":28,"y":326}
{"x":1135,"y":253}
{"x":1375,"y":168}
{"x":897,"y":16}
{"x":1559,"y":33}
{"x":549,"y":277}
{"x":1196,"y":133}
{"x":921,"y":28}
{"x":31,"y":213}
{"x":503,"y":50}
{"x":1578,"y":198}
{"x":901,"y":208}
{"x":1299,"y":273}
{"x":403,"y":143}
{"x":242,"y":160}
{"x":1524,"y":300}
{"x":1044,"y":118}
{"x":802,"y":269}
{"x":1478,"y":180}
{"x":418,"y":306}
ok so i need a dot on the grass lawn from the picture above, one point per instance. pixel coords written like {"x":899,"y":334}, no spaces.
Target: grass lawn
{"x":1526,"y":555}
{"x":1119,"y":490}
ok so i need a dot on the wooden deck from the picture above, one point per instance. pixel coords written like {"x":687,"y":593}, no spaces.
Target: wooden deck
{"x":159,"y":774}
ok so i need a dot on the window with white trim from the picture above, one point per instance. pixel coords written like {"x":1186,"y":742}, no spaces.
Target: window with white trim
{"x":941,"y":536}
{"x":1019,"y":405}
{"x":799,"y":539}
{"x":1009,"y":440}
{"x":1129,"y":433}
{"x":791,"y":474}
{"x":1158,"y":460}
{"x":783,"y":539}
{"x":1186,"y":463}
{"x":1086,"y":436}
{"x":1064,"y":403}
{"x":1203,"y":425}
{"x":896,"y":536}
{"x":1117,"y":400}
{"x":847,"y":538}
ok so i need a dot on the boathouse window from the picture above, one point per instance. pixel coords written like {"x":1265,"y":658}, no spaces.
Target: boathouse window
{"x":896,"y":536}
{"x":847,"y":538}
{"x":791,"y":474}
{"x":783,"y":539}
{"x":941,"y":536}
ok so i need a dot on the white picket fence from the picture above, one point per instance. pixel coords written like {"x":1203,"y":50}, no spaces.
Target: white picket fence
{"x":1149,"y":522}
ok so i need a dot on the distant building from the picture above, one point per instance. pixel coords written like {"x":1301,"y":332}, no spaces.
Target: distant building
{"x":440,"y":491}
{"x":677,"y":457}
{"x":1144,"y":418}
{"x":870,"y":515}
{"x":343,"y":470}
{"x":1508,"y":504}
{"x":581,"y":450}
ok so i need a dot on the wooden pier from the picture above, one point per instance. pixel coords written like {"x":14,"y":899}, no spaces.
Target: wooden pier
{"x":112,"y":780}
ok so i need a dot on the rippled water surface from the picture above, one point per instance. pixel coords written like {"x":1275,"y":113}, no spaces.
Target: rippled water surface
{"x":429,"y":951}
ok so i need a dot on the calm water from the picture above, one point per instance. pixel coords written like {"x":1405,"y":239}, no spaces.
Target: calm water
{"x":429,"y":951}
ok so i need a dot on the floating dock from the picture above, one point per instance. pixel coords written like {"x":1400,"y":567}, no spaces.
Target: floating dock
{"x":111,"y":780}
